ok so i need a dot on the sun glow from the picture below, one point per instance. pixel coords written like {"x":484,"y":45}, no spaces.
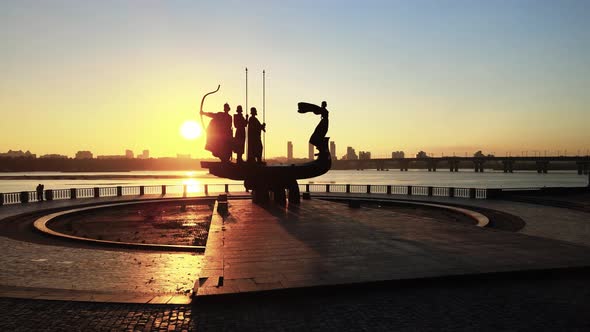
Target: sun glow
{"x":190,"y":130}
{"x":192,"y":185}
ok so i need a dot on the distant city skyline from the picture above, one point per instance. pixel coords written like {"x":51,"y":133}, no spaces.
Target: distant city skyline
{"x":351,"y":151}
{"x":443,"y":77}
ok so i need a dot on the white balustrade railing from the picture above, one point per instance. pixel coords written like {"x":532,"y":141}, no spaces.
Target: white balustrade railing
{"x":189,"y":190}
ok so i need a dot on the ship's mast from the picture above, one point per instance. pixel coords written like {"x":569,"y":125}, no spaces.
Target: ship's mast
{"x":264,"y":111}
{"x":246,"y":90}
{"x":246,"y":110}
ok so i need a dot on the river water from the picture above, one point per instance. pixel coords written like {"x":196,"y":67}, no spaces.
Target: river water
{"x":464,"y":178}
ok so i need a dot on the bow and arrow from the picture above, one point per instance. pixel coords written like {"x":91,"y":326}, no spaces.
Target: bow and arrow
{"x":203,"y":102}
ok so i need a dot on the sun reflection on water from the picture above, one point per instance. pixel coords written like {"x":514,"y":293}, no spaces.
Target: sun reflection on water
{"x":193,"y":185}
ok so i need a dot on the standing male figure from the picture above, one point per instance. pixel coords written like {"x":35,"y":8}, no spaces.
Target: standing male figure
{"x":254,"y":140}
{"x":240,"y":138}
{"x":219,"y":134}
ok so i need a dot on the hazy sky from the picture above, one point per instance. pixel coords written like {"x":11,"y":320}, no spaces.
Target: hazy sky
{"x":440,"y":76}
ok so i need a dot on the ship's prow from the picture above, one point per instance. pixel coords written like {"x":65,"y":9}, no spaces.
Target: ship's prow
{"x":274,"y":173}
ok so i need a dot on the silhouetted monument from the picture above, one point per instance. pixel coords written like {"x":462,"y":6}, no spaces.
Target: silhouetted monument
{"x":219,"y":134}
{"x":255,"y":128}
{"x":240,"y":137}
{"x":318,"y":138}
{"x":279,"y":180}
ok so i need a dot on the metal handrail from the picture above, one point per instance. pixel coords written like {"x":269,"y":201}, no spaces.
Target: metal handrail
{"x":216,"y":188}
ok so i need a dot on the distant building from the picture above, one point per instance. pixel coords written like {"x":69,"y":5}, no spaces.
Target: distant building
{"x":333,"y":150}
{"x":183,"y":156}
{"x":421,"y":155}
{"x":18,"y":154}
{"x":351,"y":154}
{"x":144,"y":155}
{"x":53,"y":156}
{"x":310,"y":152}
{"x":364,"y":155}
{"x":289,"y":150}
{"x":115,"y":156}
{"x":128,"y":155}
{"x":83,"y":155}
{"x":398,"y":154}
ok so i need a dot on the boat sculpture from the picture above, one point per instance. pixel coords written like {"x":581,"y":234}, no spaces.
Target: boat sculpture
{"x":279,"y":181}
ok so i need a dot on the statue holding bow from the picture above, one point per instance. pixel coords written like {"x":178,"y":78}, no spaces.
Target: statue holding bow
{"x":219,"y":131}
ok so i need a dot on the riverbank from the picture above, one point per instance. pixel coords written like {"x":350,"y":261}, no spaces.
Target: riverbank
{"x":91,"y":177}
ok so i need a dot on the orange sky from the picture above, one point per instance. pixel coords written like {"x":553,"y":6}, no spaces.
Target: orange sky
{"x":106,"y":78}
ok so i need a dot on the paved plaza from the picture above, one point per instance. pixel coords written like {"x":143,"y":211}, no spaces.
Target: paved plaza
{"x":431,"y":273}
{"x":328,"y":243}
{"x":34,"y":270}
{"x":553,"y":303}
{"x":541,"y":220}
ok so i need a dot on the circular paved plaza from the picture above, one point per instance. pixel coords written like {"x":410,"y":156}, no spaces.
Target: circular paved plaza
{"x":324,"y":265}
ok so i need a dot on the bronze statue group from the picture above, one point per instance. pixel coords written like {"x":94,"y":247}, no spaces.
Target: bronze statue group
{"x":222,"y":142}
{"x":263,"y":180}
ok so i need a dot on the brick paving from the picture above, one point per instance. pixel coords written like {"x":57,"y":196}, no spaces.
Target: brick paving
{"x":556,"y":303}
{"x":40,"y":315}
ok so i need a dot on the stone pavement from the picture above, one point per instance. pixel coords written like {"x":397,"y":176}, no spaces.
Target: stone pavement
{"x":41,"y":271}
{"x":549,"y":303}
{"x":543,"y":221}
{"x":32,"y":270}
{"x":542,"y":301}
{"x":576,"y":201}
{"x":327,"y":243}
{"x":42,"y":315}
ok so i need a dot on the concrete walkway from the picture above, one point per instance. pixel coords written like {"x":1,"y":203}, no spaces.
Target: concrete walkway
{"x":543,"y":221}
{"x":290,"y":249}
{"x":327,"y":243}
{"x":31,"y":270}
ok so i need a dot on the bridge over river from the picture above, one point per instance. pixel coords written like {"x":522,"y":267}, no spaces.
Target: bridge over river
{"x":453,"y":164}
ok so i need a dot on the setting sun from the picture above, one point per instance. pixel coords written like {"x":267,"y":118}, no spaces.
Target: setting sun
{"x":190,"y":129}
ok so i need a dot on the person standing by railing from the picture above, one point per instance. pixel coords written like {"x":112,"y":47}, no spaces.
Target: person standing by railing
{"x":40,"y":189}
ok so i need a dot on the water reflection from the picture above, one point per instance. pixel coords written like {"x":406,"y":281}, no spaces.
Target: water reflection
{"x":467,"y":178}
{"x":193,"y":185}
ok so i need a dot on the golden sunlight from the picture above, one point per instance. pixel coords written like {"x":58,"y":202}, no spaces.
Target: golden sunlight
{"x":192,"y":185}
{"x":190,"y":130}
